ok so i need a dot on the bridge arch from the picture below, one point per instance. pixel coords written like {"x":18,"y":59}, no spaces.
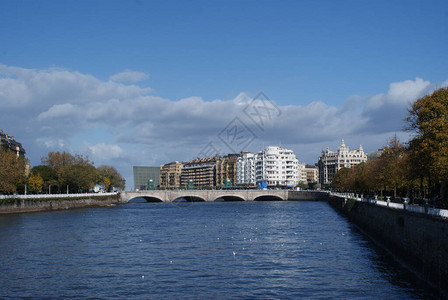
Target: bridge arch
{"x":189,"y":199}
{"x":269,"y":198}
{"x":228,"y":198}
{"x":147,"y":198}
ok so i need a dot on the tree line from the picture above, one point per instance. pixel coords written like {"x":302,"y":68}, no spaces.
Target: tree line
{"x":419,"y":169}
{"x":59,"y":172}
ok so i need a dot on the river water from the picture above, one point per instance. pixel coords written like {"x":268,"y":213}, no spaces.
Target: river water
{"x":233,"y":250}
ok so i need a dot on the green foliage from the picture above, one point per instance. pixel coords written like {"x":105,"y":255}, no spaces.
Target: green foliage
{"x":79,"y":177}
{"x":35,"y":183}
{"x":421,"y":166}
{"x":49,"y":176}
{"x":62,"y":170}
{"x":388,"y":172}
{"x":12,"y":171}
{"x":303,"y":185}
{"x":110,"y":178}
{"x":428,"y":117}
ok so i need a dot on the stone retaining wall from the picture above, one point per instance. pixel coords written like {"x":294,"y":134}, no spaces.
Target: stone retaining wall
{"x":307,"y":196}
{"x":418,"y":240}
{"x":32,"y":205}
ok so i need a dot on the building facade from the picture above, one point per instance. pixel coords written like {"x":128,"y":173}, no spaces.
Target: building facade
{"x":245,"y":169}
{"x":226,"y":170}
{"x":170,"y":175}
{"x":311,"y":174}
{"x":8,"y":142}
{"x":331,"y":162}
{"x":144,"y":175}
{"x":277,"y":166}
{"x":201,"y":171}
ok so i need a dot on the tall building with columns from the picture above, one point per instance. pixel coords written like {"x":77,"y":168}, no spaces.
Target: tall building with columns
{"x":331,"y":162}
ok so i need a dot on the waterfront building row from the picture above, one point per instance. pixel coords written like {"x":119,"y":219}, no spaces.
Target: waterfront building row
{"x":275,"y":165}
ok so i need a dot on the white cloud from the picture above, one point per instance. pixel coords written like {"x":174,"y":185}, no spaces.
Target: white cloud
{"x":28,"y":88}
{"x":128,"y":76}
{"x":122,"y":125}
{"x":58,"y":111}
{"x":387,"y":112}
{"x":102,"y":151}
{"x":400,"y":93}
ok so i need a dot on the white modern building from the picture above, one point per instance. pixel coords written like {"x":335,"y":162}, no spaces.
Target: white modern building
{"x":245,"y":169}
{"x":331,"y":162}
{"x":277,"y":166}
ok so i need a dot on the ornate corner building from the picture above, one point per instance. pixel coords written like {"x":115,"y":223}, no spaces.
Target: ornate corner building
{"x":331,"y":162}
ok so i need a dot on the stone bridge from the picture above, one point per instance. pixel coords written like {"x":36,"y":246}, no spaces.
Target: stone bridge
{"x":221,"y":195}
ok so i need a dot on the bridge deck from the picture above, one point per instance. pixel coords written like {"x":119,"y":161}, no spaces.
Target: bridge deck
{"x":226,"y":195}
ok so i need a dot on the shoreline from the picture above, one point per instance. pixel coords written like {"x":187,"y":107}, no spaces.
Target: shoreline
{"x":17,"y":205}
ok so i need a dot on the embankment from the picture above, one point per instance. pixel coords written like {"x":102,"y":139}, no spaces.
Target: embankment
{"x":18,"y":205}
{"x":307,"y":196}
{"x":420,"y":241}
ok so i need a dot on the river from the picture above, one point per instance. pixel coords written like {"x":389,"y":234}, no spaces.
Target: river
{"x":226,"y":250}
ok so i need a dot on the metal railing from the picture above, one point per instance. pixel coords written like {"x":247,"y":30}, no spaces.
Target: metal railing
{"x":404,"y":206}
{"x":43,"y":196}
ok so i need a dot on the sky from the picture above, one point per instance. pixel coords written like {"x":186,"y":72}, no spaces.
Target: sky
{"x":142,"y":83}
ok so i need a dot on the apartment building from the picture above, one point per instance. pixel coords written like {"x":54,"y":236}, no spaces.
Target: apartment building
{"x":331,"y":162}
{"x":201,"y":171}
{"x":245,"y":169}
{"x":170,"y":175}
{"x":311,"y":174}
{"x":277,"y":166}
{"x":8,"y":142}
{"x":226,"y":169}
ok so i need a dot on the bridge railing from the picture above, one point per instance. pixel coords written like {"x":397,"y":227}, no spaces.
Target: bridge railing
{"x":46,"y":196}
{"x":409,"y":207}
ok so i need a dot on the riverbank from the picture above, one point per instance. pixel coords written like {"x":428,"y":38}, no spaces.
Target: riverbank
{"x":418,"y":240}
{"x":35,"y":203}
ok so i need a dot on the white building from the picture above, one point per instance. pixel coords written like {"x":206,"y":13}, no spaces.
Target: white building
{"x":245,"y":168}
{"x":278,"y":166}
{"x":331,"y":162}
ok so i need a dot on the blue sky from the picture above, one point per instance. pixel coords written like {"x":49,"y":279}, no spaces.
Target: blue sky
{"x":186,"y":66}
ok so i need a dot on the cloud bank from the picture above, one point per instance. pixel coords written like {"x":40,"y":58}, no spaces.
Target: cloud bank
{"x":119,"y":123}
{"x":129,"y":76}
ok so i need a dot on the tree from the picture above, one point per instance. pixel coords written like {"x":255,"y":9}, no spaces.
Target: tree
{"x":49,"y":177}
{"x":73,"y":171}
{"x":12,"y":171}
{"x":428,"y":117}
{"x":302,"y":185}
{"x":393,"y":165}
{"x":342,"y":180}
{"x":110,"y":178}
{"x":79,"y":177}
{"x":35,"y":183}
{"x":57,"y":160}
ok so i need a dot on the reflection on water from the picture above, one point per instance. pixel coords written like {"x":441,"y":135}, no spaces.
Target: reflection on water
{"x":196,"y":250}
